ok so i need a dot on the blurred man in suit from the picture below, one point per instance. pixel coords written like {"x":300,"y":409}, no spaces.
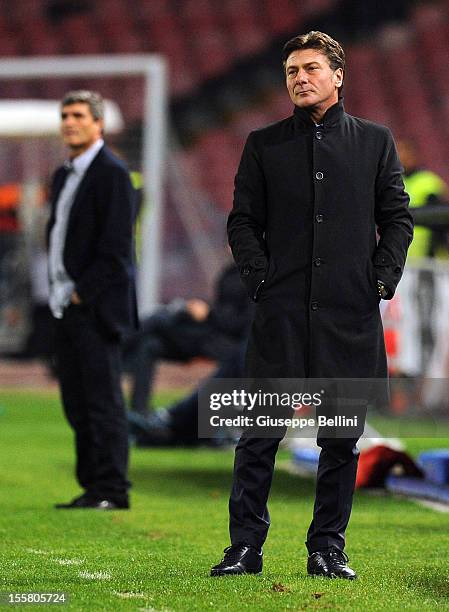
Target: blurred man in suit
{"x":92,"y":297}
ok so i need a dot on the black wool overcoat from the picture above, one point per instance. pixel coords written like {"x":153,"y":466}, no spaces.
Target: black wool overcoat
{"x":307,"y":203}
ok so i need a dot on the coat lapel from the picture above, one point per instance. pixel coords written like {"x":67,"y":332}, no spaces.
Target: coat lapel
{"x":84,"y":185}
{"x":58,"y":182}
{"x":57,"y":186}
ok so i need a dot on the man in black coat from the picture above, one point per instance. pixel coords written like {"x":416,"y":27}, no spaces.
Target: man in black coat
{"x":309,"y":193}
{"x":92,"y":297}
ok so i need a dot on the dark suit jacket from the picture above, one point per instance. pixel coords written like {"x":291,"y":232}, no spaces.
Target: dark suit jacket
{"x":99,"y":245}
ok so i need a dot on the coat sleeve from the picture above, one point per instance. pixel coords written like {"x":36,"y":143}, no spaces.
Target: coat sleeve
{"x":246,"y":223}
{"x":393,"y":218}
{"x":115,"y":239}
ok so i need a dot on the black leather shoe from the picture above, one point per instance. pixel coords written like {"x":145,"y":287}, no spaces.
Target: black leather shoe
{"x":239,"y":559}
{"x":86,"y":502}
{"x":332,"y":563}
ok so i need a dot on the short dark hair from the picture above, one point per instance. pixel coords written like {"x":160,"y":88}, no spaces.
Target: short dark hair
{"x":320,"y":41}
{"x":91,"y":98}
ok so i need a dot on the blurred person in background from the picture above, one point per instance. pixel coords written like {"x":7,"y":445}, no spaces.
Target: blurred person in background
{"x":14,"y":281}
{"x":185,"y":329}
{"x":177,"y":425}
{"x":425,"y":188}
{"x":309,"y":193}
{"x":40,"y":342}
{"x":92,"y":298}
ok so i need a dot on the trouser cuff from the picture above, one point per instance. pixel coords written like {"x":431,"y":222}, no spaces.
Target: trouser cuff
{"x":324,"y":543}
{"x":245,"y":539}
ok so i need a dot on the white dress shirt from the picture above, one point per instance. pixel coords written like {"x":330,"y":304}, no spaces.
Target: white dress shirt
{"x":61,"y":285}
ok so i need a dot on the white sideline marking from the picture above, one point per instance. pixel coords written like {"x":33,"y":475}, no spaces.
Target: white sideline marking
{"x":131,"y":595}
{"x":433,"y":505}
{"x":95,"y":575}
{"x":69,"y":561}
{"x":154,"y":610}
{"x":36,"y":551}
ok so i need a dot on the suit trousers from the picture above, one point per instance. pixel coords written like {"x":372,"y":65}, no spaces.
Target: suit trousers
{"x":253,"y":473}
{"x":89,"y":367}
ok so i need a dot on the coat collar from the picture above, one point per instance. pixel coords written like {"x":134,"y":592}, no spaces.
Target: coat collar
{"x":60,"y":176}
{"x":82,"y":162}
{"x":331,"y":118}
{"x":85,"y":182}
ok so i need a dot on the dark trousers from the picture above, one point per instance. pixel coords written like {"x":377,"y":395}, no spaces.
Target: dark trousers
{"x":89,"y":367}
{"x":253,"y":473}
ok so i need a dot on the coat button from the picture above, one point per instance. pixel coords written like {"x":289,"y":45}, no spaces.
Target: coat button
{"x":245,"y":272}
{"x":319,"y":218}
{"x":314,"y":305}
{"x":317,"y":261}
{"x":319,"y":135}
{"x":319,"y":176}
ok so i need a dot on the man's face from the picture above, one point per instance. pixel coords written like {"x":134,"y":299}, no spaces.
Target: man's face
{"x":79,"y":129}
{"x":311,"y":82}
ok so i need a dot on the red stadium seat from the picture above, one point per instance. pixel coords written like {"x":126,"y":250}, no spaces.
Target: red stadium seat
{"x":79,"y":36}
{"x":212,"y":54}
{"x":10,"y":45}
{"x":42,"y":41}
{"x":199,"y":16}
{"x":282,"y":15}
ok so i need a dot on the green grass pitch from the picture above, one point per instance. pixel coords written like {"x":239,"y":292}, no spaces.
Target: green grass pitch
{"x":158,"y":555}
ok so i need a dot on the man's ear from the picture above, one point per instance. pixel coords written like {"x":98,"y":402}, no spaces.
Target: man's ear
{"x":338,"y":74}
{"x":101,"y":125}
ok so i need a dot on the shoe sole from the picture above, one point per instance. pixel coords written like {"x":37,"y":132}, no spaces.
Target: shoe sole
{"x":219,"y":574}
{"x":91,"y":508}
{"x":332,"y":576}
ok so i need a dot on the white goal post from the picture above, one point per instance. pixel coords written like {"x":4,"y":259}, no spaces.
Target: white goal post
{"x":154,"y":71}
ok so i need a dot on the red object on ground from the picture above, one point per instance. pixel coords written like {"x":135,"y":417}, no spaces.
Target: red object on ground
{"x":376,"y":463}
